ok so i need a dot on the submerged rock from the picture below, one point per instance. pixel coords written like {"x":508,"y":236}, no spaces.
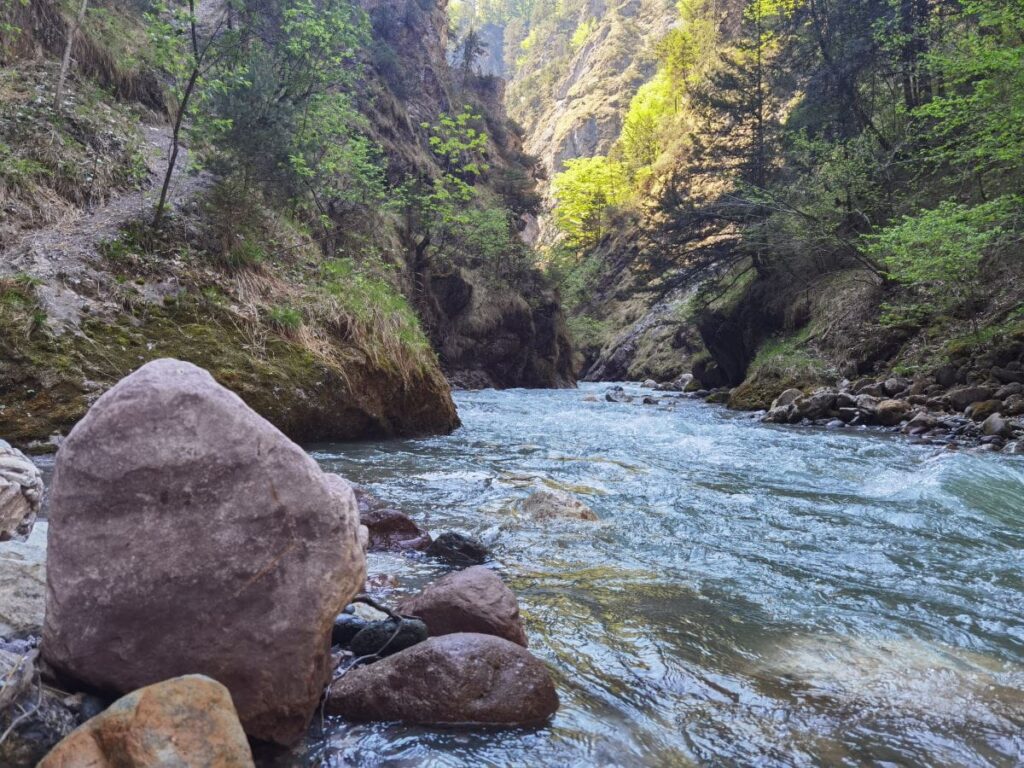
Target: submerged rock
{"x":21,"y":493}
{"x":188,"y":535}
{"x":391,"y":531}
{"x":187,"y":722}
{"x":548,"y":505}
{"x":458,"y":550}
{"x":473,"y":600}
{"x":455,"y":679}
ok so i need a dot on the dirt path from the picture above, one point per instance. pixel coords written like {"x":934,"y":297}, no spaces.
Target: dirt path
{"x":65,"y":257}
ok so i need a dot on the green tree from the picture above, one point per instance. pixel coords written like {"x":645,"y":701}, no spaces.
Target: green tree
{"x":585,"y":191}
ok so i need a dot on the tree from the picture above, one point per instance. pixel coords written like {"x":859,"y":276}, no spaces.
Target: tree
{"x":471,"y":49}
{"x":585,"y":191}
{"x":65,"y":62}
{"x":190,"y":69}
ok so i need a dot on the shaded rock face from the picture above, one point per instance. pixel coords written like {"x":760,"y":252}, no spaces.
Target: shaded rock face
{"x":473,"y":600}
{"x":187,"y":722}
{"x":21,"y":493}
{"x":23,"y":584}
{"x":461,"y":678}
{"x":187,"y":535}
{"x":486,"y":340}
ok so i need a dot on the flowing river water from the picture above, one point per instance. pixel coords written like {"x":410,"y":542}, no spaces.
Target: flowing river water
{"x":753,"y":595}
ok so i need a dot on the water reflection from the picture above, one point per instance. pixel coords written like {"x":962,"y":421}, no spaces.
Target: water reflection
{"x":752,"y":595}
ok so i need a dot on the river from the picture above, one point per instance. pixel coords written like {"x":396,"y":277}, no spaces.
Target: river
{"x":753,"y":595}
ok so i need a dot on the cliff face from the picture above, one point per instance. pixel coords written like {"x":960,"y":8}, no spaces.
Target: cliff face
{"x":501,"y":333}
{"x":574,"y":81}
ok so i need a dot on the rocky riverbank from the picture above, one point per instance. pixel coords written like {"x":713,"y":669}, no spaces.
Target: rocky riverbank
{"x":987,"y":417}
{"x":205,"y":591}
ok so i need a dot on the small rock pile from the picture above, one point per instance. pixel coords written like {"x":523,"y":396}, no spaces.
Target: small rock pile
{"x":454,"y":653}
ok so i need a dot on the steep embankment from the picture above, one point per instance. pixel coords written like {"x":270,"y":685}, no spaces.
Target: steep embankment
{"x":335,"y":326}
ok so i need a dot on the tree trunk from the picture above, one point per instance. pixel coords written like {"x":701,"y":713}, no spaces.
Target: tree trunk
{"x":65,"y":62}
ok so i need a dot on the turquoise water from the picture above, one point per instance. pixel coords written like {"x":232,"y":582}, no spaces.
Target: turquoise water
{"x":753,"y":595}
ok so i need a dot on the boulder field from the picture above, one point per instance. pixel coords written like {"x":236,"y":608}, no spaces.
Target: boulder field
{"x":202,"y":567}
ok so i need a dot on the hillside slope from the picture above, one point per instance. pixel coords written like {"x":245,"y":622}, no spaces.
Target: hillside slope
{"x":318,"y":306}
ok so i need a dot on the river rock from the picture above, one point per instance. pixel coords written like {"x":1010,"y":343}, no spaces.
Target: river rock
{"x":895,"y":385}
{"x":889,"y":413}
{"x":23,"y":584}
{"x":980,"y":411}
{"x":1013,"y":405}
{"x":650,"y":384}
{"x":454,"y":679}
{"x":473,"y":600}
{"x":186,"y":722}
{"x":996,"y":426}
{"x":1008,"y":376}
{"x":381,"y":639}
{"x":21,"y":493}
{"x":788,"y":397}
{"x":458,"y":550}
{"x":1009,"y":390}
{"x":960,"y":398}
{"x":188,"y":535}
{"x":921,"y":423}
{"x":391,"y":531}
{"x":549,"y":505}
{"x":617,"y":395}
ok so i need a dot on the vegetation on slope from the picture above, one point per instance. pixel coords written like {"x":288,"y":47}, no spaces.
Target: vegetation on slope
{"x":804,"y":139}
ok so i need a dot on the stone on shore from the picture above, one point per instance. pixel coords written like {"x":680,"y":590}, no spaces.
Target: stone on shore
{"x":454,"y":679}
{"x":549,"y":505}
{"x":23,"y":584}
{"x":473,"y":600}
{"x":21,"y":493}
{"x":188,"y":535}
{"x":187,"y":722}
{"x":889,"y":413}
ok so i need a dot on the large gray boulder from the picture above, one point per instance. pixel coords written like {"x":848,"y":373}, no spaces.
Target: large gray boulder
{"x":21,"y":493}
{"x":455,"y":679}
{"x":189,"y":536}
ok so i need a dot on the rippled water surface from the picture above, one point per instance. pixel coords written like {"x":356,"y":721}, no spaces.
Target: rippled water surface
{"x":753,"y":595}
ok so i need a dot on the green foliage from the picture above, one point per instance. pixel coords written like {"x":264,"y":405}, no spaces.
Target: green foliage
{"x":976,"y":124}
{"x":583,"y":33}
{"x":285,"y":318}
{"x":941,"y":249}
{"x":585,"y":191}
{"x":459,"y":142}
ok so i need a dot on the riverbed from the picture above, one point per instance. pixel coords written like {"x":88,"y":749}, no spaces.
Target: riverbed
{"x":753,"y":595}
